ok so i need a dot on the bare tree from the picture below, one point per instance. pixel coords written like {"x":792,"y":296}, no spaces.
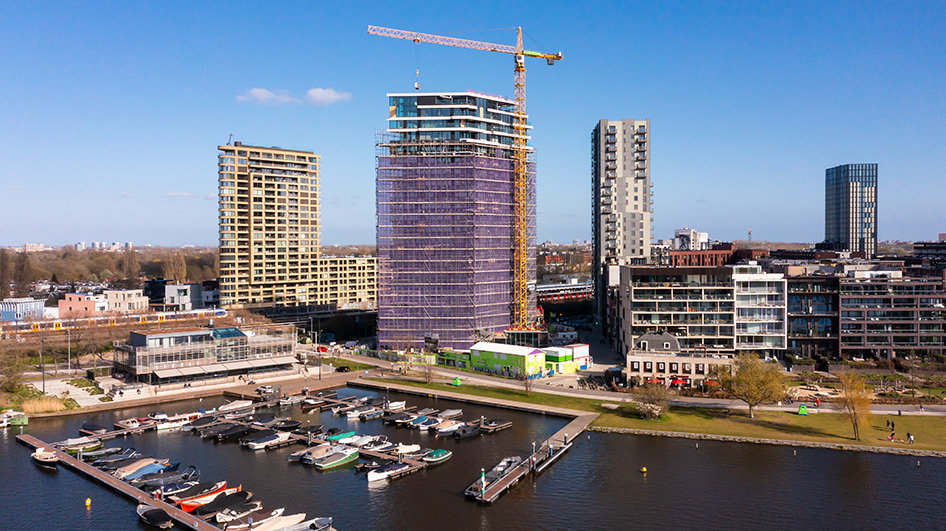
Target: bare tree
{"x":854,"y":400}
{"x":528,"y":384}
{"x":6,"y":273}
{"x":428,"y":372}
{"x":652,"y":400}
{"x":753,"y":381}
{"x":175,"y":268}
{"x":23,"y":275}
{"x":131,"y":269}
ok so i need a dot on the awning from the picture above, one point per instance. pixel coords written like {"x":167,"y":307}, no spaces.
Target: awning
{"x":187,"y":371}
{"x":167,"y":373}
{"x":261,"y":363}
{"x":216,"y":367}
{"x":285,"y":360}
{"x":235,"y":365}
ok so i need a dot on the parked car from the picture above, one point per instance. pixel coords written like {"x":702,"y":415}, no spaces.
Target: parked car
{"x":322,"y":349}
{"x":265,"y":390}
{"x":343,"y":368}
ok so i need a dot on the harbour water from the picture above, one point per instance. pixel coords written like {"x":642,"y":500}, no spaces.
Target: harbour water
{"x":597,"y":485}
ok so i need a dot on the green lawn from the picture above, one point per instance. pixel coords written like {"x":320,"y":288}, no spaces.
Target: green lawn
{"x":353,"y":365}
{"x":930,"y":431}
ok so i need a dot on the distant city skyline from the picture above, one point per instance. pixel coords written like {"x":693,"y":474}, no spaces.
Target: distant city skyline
{"x":110,"y":115}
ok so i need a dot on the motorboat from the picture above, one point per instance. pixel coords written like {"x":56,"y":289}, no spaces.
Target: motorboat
{"x":348,"y":440}
{"x":451,"y":413}
{"x":265,"y":422}
{"x":470,"y":429}
{"x":361,"y":441}
{"x":128,"y":424}
{"x":375,"y":402}
{"x":256,"y":518}
{"x":415,"y":456}
{"x":234,"y":433}
{"x":371,"y":414}
{"x":13,"y":418}
{"x":437,"y":456}
{"x":115,"y":465}
{"x":311,"y":404}
{"x":236,"y":405}
{"x":196,"y":491}
{"x":309,"y":455}
{"x":431,"y":422}
{"x":45,"y":458}
{"x":171,"y":489}
{"x":386,"y":471}
{"x":397,"y":418}
{"x":379,"y":444}
{"x":127,"y":453}
{"x":222,"y":502}
{"x":340,"y":456}
{"x":427,"y":411}
{"x":343,"y":409}
{"x":416,"y":422}
{"x":90,"y":428}
{"x":340,"y":435}
{"x":195,"y":502}
{"x":158,"y":416}
{"x":399,"y":404}
{"x":446,"y":428}
{"x":281,"y":522}
{"x":152,"y":468}
{"x":199,"y":423}
{"x":213,"y":431}
{"x":304,"y":431}
{"x":163,"y":477}
{"x":322,"y":523}
{"x":237,"y":511}
{"x":154,"y":517}
{"x":333,"y":431}
{"x":287,"y":425}
{"x":405,"y":448}
{"x":370,"y":465}
{"x":136,"y":465}
{"x":98,"y":454}
{"x":255,"y":436}
{"x":170,"y":425}
{"x":273,"y":440}
{"x":501,"y":470}
{"x":291,"y":400}
{"x":80,"y":444}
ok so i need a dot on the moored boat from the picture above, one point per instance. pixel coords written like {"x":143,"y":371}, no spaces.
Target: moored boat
{"x":399,"y":404}
{"x":170,"y":489}
{"x":314,"y":429}
{"x":405,"y":448}
{"x":361,"y":441}
{"x":446,"y":429}
{"x":451,"y":413}
{"x":416,"y":422}
{"x":154,"y":517}
{"x":348,"y":440}
{"x":236,"y":432}
{"x":501,"y":470}
{"x":90,"y":428}
{"x":287,"y":425}
{"x":379,"y":444}
{"x":255,"y":436}
{"x":212,"y":431}
{"x":386,"y":471}
{"x":170,"y":425}
{"x":437,"y":456}
{"x":98,"y":454}
{"x":273,"y":440}
{"x":195,"y":502}
{"x":196,"y":491}
{"x":340,"y":435}
{"x":237,"y":511}
{"x":397,"y":418}
{"x":291,"y":400}
{"x":371,"y":414}
{"x":236,"y":405}
{"x":81,"y":444}
{"x":340,"y":456}
{"x":309,"y":455}
{"x":222,"y":502}
{"x":355,"y":413}
{"x":13,"y":418}
{"x":198,"y":423}
{"x":44,"y":458}
{"x":444,"y":425}
{"x":281,"y":522}
{"x":321,"y":523}
{"x":243,"y":522}
{"x":166,"y":476}
{"x":470,"y":429}
{"x":151,"y":468}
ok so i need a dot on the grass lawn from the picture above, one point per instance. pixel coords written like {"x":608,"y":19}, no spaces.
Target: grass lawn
{"x":353,"y":365}
{"x":929,"y":431}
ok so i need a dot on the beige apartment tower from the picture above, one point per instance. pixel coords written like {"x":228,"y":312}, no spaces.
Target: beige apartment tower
{"x":269,"y":226}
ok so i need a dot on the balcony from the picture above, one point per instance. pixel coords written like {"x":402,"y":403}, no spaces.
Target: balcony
{"x":641,"y":147}
{"x":640,"y":174}
{"x":611,"y":148}
{"x":640,"y":166}
{"x":611,"y":166}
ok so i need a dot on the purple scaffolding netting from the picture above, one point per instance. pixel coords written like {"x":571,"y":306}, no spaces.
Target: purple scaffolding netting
{"x":445,"y":239}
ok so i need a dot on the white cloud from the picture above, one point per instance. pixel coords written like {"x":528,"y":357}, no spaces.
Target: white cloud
{"x":261,"y":95}
{"x":210,"y":197}
{"x":127,"y":194}
{"x":326,"y":96}
{"x":320,"y":97}
{"x":179,"y":194}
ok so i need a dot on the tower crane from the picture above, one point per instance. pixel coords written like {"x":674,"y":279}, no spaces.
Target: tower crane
{"x":520,"y":295}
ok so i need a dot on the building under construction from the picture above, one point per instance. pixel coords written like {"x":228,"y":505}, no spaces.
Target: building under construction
{"x":445,"y":199}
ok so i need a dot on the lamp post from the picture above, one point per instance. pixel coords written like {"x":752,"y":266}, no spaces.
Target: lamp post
{"x":69,"y":349}
{"x":42,"y":362}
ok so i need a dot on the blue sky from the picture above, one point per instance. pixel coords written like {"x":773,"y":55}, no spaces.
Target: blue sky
{"x":111,"y":112}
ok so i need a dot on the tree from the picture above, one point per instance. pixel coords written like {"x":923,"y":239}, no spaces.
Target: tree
{"x":527,"y":384}
{"x":427,"y":369}
{"x":652,"y":400}
{"x":854,"y":401}
{"x":175,"y":268}
{"x":23,"y":275}
{"x":6,"y":273}
{"x":753,"y":381}
{"x":130,"y":266}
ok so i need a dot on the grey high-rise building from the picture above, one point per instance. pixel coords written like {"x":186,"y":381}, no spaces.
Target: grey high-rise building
{"x":622,"y":202}
{"x":850,"y":208}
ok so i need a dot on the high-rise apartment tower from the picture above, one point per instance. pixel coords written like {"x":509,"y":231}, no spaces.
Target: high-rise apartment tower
{"x":622,"y":202}
{"x":269,"y":225}
{"x":850,"y":208}
{"x":445,"y":219}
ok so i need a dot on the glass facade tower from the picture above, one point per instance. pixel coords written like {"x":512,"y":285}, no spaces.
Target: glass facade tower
{"x":850,"y":208}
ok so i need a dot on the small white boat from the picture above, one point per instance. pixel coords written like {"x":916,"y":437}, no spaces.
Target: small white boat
{"x":405,"y":448}
{"x":291,"y":400}
{"x":451,"y":413}
{"x":449,"y":426}
{"x":349,"y":440}
{"x":281,"y":522}
{"x":158,"y":415}
{"x":171,"y":425}
{"x":128,"y":424}
{"x":386,"y":471}
{"x":42,"y":457}
{"x":355,"y":413}
{"x":273,"y":440}
{"x":363,"y":440}
{"x":312,"y":454}
{"x":394,"y":406}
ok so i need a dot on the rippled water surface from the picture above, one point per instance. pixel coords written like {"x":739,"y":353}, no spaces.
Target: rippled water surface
{"x":597,"y":485}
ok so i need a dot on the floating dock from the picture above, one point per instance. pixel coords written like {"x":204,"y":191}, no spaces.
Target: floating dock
{"x":180,"y":517}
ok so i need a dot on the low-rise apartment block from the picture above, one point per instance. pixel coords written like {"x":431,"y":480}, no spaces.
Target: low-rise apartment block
{"x":126,"y":301}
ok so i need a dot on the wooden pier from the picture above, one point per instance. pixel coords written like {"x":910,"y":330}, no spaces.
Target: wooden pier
{"x":180,"y":517}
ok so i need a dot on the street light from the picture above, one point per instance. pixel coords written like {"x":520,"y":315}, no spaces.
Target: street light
{"x":42,"y":362}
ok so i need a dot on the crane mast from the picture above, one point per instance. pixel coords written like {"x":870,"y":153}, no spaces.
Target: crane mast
{"x":520,"y":292}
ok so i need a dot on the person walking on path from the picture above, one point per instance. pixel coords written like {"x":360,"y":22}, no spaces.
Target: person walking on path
{"x":893,"y":426}
{"x":910,"y":436}
{"x":888,"y":424}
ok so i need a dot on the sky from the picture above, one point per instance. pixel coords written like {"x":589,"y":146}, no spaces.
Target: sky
{"x":111,"y":113}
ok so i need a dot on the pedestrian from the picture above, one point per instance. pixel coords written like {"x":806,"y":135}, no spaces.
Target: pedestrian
{"x":817,"y":402}
{"x":910,"y":436}
{"x":139,"y":391}
{"x":899,"y":413}
{"x":890,"y":437}
{"x":922,"y":410}
{"x":888,"y":424}
{"x":893,"y":426}
{"x":121,"y":394}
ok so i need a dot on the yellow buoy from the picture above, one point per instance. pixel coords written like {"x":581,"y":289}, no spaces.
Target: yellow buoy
{"x":88,"y":503}
{"x":643,"y":470}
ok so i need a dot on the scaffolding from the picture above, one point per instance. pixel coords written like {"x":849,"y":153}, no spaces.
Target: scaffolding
{"x":446,"y":222}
